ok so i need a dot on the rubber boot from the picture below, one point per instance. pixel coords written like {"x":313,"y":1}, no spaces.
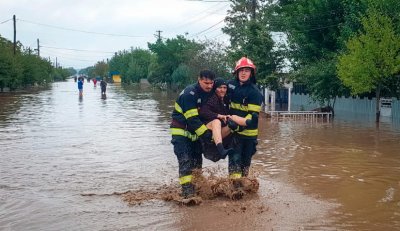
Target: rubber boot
{"x":238,"y":192}
{"x":189,"y":197}
{"x":224,"y":152}
{"x":188,"y":190}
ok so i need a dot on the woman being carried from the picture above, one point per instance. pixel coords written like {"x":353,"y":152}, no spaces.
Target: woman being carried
{"x":215,"y":114}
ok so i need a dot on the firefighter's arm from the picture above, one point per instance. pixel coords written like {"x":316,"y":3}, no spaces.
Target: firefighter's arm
{"x":190,"y":112}
{"x":253,"y":109}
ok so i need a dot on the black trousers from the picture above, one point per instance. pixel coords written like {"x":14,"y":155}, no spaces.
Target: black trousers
{"x":240,"y":160}
{"x":189,"y":154}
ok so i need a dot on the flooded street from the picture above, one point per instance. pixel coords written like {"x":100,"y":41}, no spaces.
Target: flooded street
{"x":56,"y":149}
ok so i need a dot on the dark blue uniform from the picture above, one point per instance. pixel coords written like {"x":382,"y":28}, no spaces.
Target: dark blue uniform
{"x":245,"y":100}
{"x":186,"y":127}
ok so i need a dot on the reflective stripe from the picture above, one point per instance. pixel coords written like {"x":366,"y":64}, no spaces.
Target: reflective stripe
{"x":238,"y":106}
{"x":191,"y":113}
{"x":249,"y":116}
{"x":249,"y":132}
{"x":201,"y":130}
{"x":236,"y":175}
{"x":254,"y":107}
{"x":250,"y":107}
{"x":178,"y":108}
{"x":185,"y":133}
{"x":185,"y":179}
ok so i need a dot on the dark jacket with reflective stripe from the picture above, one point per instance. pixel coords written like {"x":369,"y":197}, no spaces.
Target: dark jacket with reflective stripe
{"x":186,"y":114}
{"x":245,"y":99}
{"x":213,"y":107}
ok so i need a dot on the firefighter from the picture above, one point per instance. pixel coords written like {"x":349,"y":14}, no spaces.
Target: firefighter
{"x":187,"y":129}
{"x":246,"y":102}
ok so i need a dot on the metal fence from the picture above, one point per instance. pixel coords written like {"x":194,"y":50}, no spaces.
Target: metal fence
{"x":355,"y":105}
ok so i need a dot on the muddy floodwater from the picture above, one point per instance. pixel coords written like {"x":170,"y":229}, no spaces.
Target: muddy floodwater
{"x":65,"y":164}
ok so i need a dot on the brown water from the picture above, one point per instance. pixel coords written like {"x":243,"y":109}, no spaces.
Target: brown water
{"x":62,"y":158}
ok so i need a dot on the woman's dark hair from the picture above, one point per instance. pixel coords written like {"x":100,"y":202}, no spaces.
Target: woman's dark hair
{"x":218,"y":82}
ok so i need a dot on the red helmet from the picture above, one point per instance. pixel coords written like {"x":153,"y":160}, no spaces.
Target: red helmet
{"x":244,"y":62}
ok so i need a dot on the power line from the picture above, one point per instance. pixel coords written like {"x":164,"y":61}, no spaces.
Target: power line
{"x":6,"y":21}
{"x":82,"y":31}
{"x":70,"y":58}
{"x":73,"y":54}
{"x":198,"y":33}
{"x":195,"y":19}
{"x":71,"y":49}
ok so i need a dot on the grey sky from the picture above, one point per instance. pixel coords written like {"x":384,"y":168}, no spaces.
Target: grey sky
{"x":60,"y":25}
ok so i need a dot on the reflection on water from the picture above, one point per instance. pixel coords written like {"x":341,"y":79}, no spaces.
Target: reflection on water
{"x":55,"y":148}
{"x":347,"y":162}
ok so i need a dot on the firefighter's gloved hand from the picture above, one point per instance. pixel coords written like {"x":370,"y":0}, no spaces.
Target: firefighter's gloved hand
{"x":232,"y":125}
{"x":206,"y":136}
{"x":253,"y":121}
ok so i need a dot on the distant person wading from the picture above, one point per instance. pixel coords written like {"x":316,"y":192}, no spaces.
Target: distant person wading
{"x":103,"y":85}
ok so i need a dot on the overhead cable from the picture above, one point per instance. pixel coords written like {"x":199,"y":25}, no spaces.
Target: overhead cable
{"x":82,"y":31}
{"x":6,"y":21}
{"x":198,"y":33}
{"x":71,"y":49}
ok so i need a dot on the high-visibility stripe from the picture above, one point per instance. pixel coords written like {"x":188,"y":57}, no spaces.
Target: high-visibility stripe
{"x":249,"y":132}
{"x":238,"y":106}
{"x":235,"y":175}
{"x":185,"y":179}
{"x":254,"y":107}
{"x":178,"y":108}
{"x":201,"y":130}
{"x":249,"y":116}
{"x":250,"y":107}
{"x":182,"y":132}
{"x":191,"y":113}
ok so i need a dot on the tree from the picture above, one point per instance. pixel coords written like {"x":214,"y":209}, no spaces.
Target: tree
{"x":181,"y":76}
{"x":313,"y":28}
{"x":213,"y":57}
{"x":170,"y":54}
{"x":101,"y":69}
{"x":250,"y":36}
{"x":372,"y":57}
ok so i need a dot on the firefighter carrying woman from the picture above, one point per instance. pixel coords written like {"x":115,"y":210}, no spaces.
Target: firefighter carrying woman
{"x":202,"y":116}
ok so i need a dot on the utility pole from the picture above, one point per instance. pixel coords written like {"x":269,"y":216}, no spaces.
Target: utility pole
{"x":159,"y":34}
{"x":15,"y":34}
{"x":56,"y":63}
{"x":38,"y":48}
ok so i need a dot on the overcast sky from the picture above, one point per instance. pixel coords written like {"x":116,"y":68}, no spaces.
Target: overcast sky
{"x":81,"y":32}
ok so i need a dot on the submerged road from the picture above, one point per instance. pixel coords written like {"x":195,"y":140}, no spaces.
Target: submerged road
{"x":55,"y":148}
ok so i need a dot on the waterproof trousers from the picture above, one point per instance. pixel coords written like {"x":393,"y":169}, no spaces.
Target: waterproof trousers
{"x":189,"y":154}
{"x":240,"y":160}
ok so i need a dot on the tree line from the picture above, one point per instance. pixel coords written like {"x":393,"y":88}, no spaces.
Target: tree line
{"x":333,"y":48}
{"x":25,"y":69}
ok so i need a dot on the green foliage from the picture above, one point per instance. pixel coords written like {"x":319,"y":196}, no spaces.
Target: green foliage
{"x":373,"y":55}
{"x":212,"y":57}
{"x":132,"y":66}
{"x":247,"y":26}
{"x":24,"y":69}
{"x":322,"y":82}
{"x":317,"y":30}
{"x":181,"y":76}
{"x":170,"y":54}
{"x":71,"y":71}
{"x":100,"y":69}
